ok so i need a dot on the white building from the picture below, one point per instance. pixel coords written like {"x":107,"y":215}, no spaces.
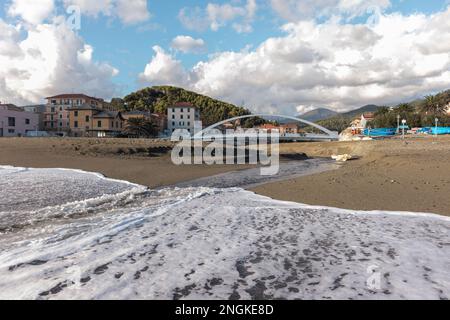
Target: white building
{"x":366,"y":118}
{"x":182,"y":116}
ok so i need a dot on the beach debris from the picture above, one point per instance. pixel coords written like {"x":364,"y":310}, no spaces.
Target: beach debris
{"x":341,"y":157}
{"x":346,"y":135}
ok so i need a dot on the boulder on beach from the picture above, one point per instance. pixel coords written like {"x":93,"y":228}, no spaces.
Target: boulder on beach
{"x":341,"y":157}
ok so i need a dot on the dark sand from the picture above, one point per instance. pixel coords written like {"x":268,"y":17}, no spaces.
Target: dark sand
{"x":390,"y":174}
{"x":144,"y":162}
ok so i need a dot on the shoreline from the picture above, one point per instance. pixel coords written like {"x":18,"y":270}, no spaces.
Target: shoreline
{"x":389,"y":175}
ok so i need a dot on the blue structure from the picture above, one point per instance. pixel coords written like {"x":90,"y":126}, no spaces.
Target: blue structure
{"x":440,"y":130}
{"x":380,"y":132}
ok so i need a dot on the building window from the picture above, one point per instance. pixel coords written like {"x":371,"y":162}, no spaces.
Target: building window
{"x":52,"y":109}
{"x":75,"y":124}
{"x":181,"y":116}
{"x":75,"y":113}
{"x":99,"y":124}
{"x":181,"y":109}
{"x":87,"y":118}
{"x":189,"y":116}
{"x":60,"y":108}
{"x":189,"y":109}
{"x":189,"y":124}
{"x":173,"y":110}
{"x":60,"y":124}
{"x":173,"y":116}
{"x":27,"y":121}
{"x":11,"y":131}
{"x":60,"y":116}
{"x":51,"y":117}
{"x":11,"y":121}
{"x":117,"y":124}
{"x":173,"y":123}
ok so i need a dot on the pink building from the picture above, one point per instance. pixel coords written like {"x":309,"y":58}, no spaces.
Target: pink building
{"x":15,"y":122}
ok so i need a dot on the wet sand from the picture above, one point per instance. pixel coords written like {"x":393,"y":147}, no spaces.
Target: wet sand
{"x":140,"y":161}
{"x":389,"y":175}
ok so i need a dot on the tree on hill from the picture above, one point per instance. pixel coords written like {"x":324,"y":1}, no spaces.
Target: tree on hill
{"x":118,"y":104}
{"x":405,"y":108}
{"x":432,"y":105}
{"x":382,"y":111}
{"x":159,"y":98}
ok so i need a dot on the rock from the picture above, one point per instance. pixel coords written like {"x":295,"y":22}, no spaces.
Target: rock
{"x":341,"y":157}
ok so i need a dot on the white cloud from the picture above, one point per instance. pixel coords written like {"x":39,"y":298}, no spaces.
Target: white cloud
{"x":49,"y":59}
{"x":188,"y":44}
{"x":163,"y":69}
{"x":128,"y":11}
{"x":216,"y":16}
{"x":294,"y":10}
{"x":332,"y":64}
{"x":132,"y":11}
{"x":31,"y":11}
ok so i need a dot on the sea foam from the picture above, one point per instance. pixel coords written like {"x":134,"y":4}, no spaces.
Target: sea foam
{"x":109,"y":239}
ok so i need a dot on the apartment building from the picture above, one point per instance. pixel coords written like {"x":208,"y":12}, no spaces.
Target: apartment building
{"x":15,"y":122}
{"x":40,"y":110}
{"x":91,"y":121}
{"x":108,"y":124}
{"x":56,"y":117}
{"x":182,"y":116}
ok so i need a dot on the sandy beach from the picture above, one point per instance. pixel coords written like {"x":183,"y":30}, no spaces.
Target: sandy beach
{"x":144,"y":162}
{"x":70,"y":234}
{"x":389,"y":175}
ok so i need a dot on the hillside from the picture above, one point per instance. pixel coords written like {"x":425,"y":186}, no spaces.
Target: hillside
{"x":159,"y":98}
{"x":360,"y":111}
{"x":340,"y":121}
{"x":318,"y":114}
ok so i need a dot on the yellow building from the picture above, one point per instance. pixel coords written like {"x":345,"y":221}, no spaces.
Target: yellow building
{"x":90,"y":121}
{"x":57,"y":115}
{"x":108,"y":124}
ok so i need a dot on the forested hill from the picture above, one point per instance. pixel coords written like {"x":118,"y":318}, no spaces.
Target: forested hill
{"x":159,"y":98}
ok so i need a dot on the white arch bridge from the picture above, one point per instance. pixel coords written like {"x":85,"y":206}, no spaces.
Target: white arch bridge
{"x":327,"y":134}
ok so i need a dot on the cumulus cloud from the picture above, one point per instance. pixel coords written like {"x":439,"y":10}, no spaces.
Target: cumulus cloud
{"x":163,"y":69}
{"x":128,"y":11}
{"x":216,"y":16}
{"x":31,"y":11}
{"x":47,"y":59}
{"x":294,"y":10}
{"x":188,"y":44}
{"x":332,"y":64}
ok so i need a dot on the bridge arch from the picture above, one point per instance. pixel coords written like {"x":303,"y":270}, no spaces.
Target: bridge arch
{"x":331,"y":134}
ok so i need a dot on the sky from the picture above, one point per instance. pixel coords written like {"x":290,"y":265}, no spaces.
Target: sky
{"x":271,"y":56}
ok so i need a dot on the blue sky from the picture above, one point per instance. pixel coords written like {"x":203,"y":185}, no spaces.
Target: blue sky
{"x":129,"y":47}
{"x":237,"y":56}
